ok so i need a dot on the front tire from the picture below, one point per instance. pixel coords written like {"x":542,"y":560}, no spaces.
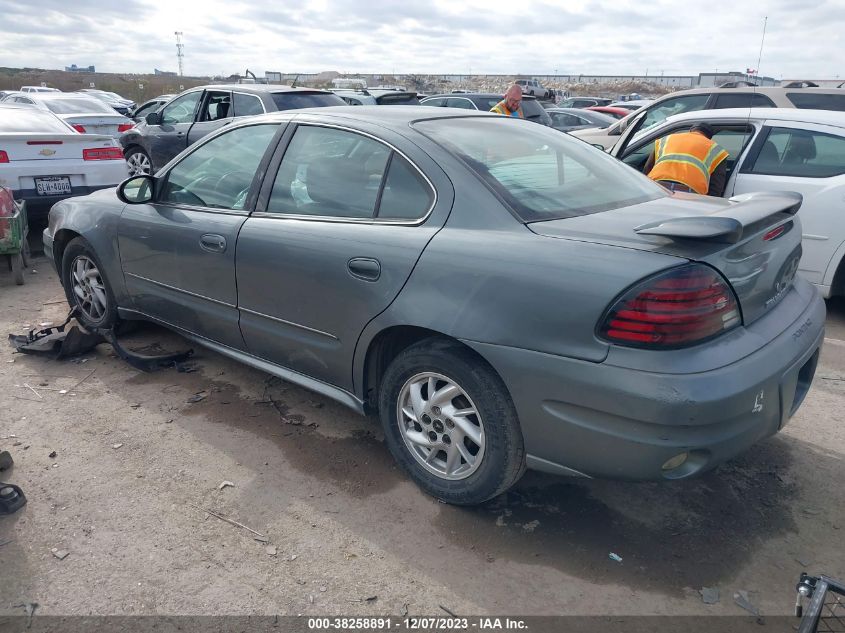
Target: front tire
{"x":139,"y":162}
{"x":450,"y":423}
{"x":86,"y":287}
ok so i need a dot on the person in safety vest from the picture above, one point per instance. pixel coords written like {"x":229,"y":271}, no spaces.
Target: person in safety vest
{"x":511,"y":105}
{"x":689,"y":161}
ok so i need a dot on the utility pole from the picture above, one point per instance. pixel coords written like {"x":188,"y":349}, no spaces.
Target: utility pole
{"x":179,"y":50}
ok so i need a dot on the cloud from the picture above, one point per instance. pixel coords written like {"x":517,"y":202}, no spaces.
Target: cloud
{"x":435,"y":36}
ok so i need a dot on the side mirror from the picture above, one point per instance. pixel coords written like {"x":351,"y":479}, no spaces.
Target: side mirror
{"x":137,"y":189}
{"x":153,"y":118}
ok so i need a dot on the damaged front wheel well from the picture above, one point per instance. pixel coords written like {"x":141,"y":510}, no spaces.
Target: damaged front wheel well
{"x":60,"y":241}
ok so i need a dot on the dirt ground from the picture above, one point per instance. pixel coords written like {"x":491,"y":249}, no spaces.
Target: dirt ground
{"x":137,"y":465}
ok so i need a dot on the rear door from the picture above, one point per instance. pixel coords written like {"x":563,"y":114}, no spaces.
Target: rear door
{"x":215,"y":111}
{"x":178,"y":253}
{"x":342,"y":219}
{"x":809,"y":159}
{"x":171,"y":136}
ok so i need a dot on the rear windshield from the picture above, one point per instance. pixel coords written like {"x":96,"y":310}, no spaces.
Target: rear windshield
{"x":296,"y":100}
{"x":541,"y":173}
{"x":535,"y":112}
{"x":400,"y":99}
{"x":26,"y":120}
{"x":77,"y":105}
{"x":815,"y":101}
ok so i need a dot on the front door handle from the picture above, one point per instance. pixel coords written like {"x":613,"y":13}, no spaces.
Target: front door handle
{"x":365,"y":268}
{"x":213,"y":243}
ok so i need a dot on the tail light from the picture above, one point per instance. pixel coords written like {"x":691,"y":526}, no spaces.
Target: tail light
{"x":102,"y":153}
{"x":78,"y":128}
{"x":4,"y":157}
{"x":123,"y":127}
{"x":678,"y":308}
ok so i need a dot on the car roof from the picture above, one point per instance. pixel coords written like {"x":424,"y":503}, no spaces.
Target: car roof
{"x":259,"y":88}
{"x":798,"y":115}
{"x":378,"y":115}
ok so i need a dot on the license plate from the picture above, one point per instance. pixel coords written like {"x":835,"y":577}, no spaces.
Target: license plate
{"x":52,"y":185}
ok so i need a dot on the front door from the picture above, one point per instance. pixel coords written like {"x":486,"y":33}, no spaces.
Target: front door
{"x":170,"y":137}
{"x":178,"y":253}
{"x":215,"y":111}
{"x":345,"y":221}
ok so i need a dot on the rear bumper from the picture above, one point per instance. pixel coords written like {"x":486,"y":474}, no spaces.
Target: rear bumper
{"x":601,"y":420}
{"x":39,"y":206}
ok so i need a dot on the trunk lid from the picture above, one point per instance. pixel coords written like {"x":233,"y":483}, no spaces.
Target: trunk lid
{"x":754,"y":239}
{"x":98,"y":123}
{"x":25,"y":147}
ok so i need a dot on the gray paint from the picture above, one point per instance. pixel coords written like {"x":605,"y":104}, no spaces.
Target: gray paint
{"x":526,"y":298}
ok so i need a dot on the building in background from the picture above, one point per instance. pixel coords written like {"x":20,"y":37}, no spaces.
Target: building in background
{"x":73,"y":68}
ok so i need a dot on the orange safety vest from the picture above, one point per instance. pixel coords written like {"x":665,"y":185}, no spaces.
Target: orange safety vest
{"x":689,"y":158}
{"x":502,"y":108}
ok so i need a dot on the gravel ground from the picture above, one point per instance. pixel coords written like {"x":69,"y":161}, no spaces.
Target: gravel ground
{"x":137,"y":467}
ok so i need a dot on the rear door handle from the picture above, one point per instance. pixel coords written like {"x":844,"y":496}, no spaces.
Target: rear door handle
{"x":365,"y":268}
{"x":213,"y":243}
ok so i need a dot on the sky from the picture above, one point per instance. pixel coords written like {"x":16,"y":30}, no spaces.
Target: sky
{"x":524,"y":37}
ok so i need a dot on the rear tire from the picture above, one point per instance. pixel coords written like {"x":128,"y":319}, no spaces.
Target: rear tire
{"x":139,"y":162}
{"x":86,"y":287}
{"x":450,"y":423}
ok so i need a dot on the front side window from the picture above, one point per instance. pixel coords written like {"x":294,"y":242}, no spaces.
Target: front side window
{"x":219,"y":173}
{"x":539,"y":172}
{"x":181,"y":109}
{"x":247,"y":105}
{"x":464,"y":104}
{"x":437,"y":103}
{"x":801,"y":153}
{"x":145,"y":110}
{"x":337,"y":173}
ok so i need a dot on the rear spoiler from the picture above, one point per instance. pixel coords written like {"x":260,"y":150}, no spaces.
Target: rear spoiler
{"x":729,"y":224}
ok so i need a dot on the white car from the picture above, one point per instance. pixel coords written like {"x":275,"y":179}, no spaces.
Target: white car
{"x":43,"y":160}
{"x":38,"y":89}
{"x":776,"y":149}
{"x":85,"y":114}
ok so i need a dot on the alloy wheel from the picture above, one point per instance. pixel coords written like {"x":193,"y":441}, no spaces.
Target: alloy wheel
{"x":88,"y":288}
{"x":139,"y":164}
{"x":441,"y":426}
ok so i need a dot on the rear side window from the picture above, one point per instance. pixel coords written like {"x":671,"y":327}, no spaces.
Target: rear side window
{"x":216,"y":106}
{"x":535,"y":112}
{"x":661,"y":111}
{"x":18,"y":120}
{"x":398,"y":99}
{"x":77,"y":106}
{"x":743,"y":100}
{"x":340,"y":174}
{"x":296,"y":100}
{"x":815,"y":101}
{"x":801,"y":153}
{"x":247,"y":105}
{"x":437,"y":103}
{"x":465,"y":104}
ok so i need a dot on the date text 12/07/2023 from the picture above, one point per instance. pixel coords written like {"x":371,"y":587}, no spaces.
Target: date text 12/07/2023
{"x":415,"y":623}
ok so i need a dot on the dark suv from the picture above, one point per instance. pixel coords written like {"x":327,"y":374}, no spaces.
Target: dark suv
{"x":484,"y":101}
{"x":196,"y":112}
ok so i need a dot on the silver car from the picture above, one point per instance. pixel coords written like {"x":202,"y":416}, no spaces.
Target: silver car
{"x":502,"y":295}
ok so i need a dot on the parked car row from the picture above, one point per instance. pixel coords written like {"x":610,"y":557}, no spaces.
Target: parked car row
{"x":84,"y":113}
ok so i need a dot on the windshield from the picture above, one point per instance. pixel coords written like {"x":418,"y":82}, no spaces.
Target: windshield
{"x":77,"y":105}
{"x":541,"y":173}
{"x":19,"y":120}
{"x":295,"y":100}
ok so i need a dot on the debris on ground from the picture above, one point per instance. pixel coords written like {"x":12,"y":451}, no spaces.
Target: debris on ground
{"x":230,"y":521}
{"x":452,"y":613}
{"x":6,"y":461}
{"x":225,"y":484}
{"x":30,"y":608}
{"x":530,"y":526}
{"x":116,"y":446}
{"x":197,"y":397}
{"x":741,"y":600}
{"x":615,"y":557}
{"x":812,"y":511}
{"x":294,"y":556}
{"x":709,"y":595}
{"x":261,"y":539}
{"x":371,"y":598}
{"x":61,"y":554}
{"x":271,"y":550}
{"x":803,"y":562}
{"x":53,"y":455}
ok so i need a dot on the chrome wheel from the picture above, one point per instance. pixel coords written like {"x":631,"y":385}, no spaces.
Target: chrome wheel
{"x":441,"y":426}
{"x":88,"y":288}
{"x":139,"y":163}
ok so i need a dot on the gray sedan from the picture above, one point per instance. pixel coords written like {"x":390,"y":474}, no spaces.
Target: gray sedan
{"x":502,"y":295}
{"x":566,"y":119}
